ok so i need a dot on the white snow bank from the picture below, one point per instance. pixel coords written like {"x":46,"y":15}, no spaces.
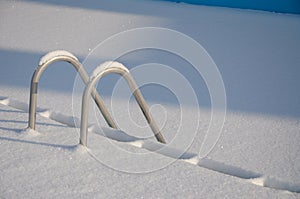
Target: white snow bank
{"x":120,"y":136}
{"x":257,"y":54}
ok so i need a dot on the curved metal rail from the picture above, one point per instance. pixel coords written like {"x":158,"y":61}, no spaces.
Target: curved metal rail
{"x":45,"y":61}
{"x":100,"y":71}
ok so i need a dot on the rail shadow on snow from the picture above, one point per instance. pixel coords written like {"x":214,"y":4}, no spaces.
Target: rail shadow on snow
{"x":11,"y":111}
{"x":67,"y":147}
{"x":26,"y":122}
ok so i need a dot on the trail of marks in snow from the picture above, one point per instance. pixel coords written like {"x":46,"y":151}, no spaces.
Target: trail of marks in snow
{"x":14,"y":103}
{"x":118,"y":135}
{"x":58,"y":117}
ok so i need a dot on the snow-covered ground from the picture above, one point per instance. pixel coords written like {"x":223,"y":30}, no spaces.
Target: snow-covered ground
{"x":257,"y":155}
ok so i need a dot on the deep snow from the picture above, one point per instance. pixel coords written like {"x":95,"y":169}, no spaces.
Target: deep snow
{"x":257,"y":155}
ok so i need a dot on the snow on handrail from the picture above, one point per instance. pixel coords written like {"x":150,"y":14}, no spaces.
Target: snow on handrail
{"x":45,"y":61}
{"x":99,"y":72}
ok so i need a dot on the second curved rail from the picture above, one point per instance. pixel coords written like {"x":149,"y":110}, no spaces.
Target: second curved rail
{"x":99,"y":72}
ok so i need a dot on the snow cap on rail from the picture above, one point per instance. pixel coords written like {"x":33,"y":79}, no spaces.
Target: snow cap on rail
{"x":108,"y":64}
{"x":55,"y":53}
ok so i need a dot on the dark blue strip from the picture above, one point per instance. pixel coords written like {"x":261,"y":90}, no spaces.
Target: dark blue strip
{"x":281,"y":6}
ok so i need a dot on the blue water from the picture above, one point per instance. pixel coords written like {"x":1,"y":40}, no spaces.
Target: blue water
{"x":281,"y":6}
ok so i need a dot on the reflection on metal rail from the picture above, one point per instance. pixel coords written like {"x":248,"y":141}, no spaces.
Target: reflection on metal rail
{"x":99,"y":72}
{"x":61,"y":55}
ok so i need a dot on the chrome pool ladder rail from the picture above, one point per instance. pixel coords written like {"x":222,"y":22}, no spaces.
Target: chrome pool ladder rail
{"x":45,"y":61}
{"x":99,"y":72}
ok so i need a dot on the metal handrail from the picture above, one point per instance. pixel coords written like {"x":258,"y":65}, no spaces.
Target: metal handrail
{"x":46,"y":60}
{"x":99,"y":72}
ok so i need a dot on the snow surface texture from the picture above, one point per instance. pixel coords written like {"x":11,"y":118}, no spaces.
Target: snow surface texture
{"x":257,"y":155}
{"x":255,"y":178}
{"x":250,"y":176}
